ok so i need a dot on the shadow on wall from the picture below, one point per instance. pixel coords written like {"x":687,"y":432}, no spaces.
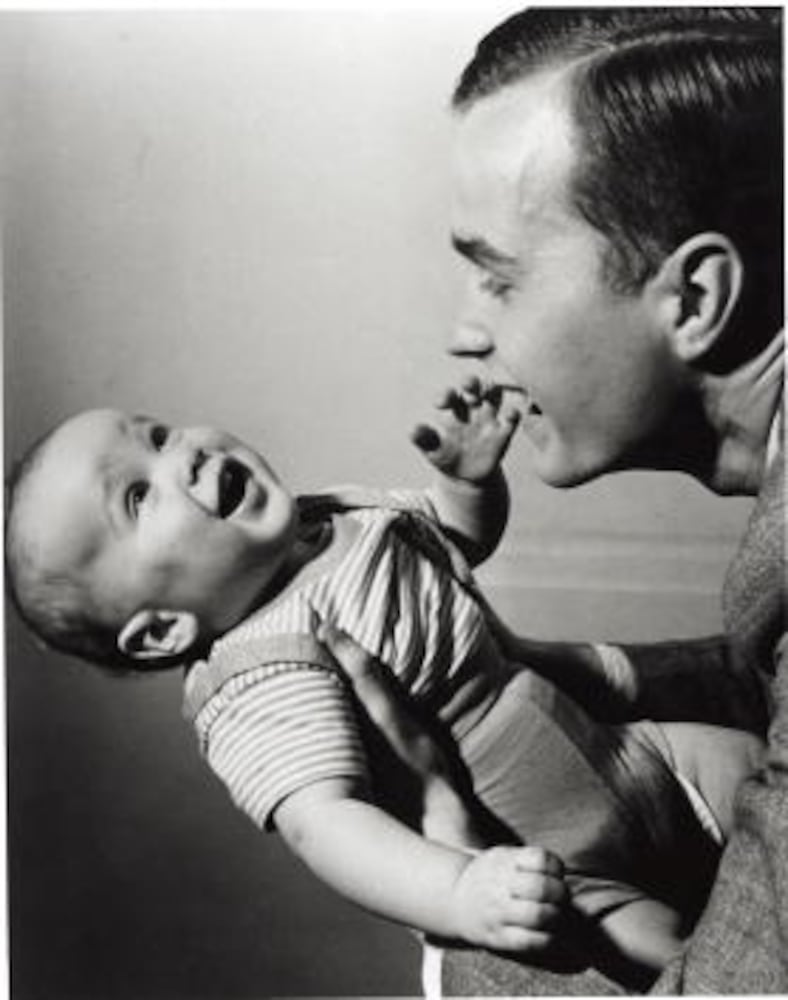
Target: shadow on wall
{"x":241,"y":219}
{"x":132,"y":875}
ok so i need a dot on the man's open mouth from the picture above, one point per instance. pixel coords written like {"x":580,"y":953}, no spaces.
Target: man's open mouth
{"x":233,"y":479}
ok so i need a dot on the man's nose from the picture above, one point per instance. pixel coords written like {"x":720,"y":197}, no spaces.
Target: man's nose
{"x":472,"y":335}
{"x":470,"y":339}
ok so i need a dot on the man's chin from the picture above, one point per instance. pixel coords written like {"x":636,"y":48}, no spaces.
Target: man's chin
{"x":561,"y":472}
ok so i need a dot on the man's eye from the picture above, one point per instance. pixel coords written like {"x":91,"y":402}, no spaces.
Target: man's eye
{"x":135,"y":497}
{"x":158,"y":436}
{"x":496,"y":286}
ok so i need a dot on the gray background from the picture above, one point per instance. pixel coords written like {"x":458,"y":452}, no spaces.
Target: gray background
{"x":242,"y":219}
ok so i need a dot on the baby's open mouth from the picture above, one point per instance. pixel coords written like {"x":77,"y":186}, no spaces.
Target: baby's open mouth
{"x":232,"y":486}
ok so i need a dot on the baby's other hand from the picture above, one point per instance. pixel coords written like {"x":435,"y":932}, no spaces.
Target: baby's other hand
{"x":471,"y":433}
{"x":510,"y":899}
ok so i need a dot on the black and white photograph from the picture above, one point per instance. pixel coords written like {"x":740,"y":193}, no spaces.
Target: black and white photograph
{"x":394,"y":508}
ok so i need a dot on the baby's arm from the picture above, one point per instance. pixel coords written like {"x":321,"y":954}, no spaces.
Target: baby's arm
{"x":466,"y":444}
{"x":485,"y":899}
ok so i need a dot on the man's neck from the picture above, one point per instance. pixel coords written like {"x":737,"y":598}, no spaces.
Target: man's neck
{"x":742,"y":408}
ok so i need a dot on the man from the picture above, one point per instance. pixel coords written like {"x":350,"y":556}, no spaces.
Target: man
{"x":619,"y":203}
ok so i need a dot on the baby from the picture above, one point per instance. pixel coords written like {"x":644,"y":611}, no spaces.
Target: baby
{"x":139,"y":546}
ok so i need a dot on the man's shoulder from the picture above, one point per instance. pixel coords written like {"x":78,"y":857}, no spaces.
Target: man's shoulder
{"x":754,"y":591}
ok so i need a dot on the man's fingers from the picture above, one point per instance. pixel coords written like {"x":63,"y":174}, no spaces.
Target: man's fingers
{"x":377,"y":692}
{"x":373,"y":690}
{"x":348,"y":654}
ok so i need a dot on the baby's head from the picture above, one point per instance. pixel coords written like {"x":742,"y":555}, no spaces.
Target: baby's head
{"x":134,"y":544}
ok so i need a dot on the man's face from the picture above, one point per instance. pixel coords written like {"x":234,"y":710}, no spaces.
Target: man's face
{"x":596,"y":374}
{"x":158,"y":517}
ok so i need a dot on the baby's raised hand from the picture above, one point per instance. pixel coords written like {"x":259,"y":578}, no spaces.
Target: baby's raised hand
{"x":471,"y":433}
{"x":510,"y":899}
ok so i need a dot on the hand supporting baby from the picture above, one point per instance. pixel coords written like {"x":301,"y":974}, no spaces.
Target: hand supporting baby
{"x":505,"y":898}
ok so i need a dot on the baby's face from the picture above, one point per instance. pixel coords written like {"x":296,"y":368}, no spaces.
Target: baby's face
{"x":186,"y":519}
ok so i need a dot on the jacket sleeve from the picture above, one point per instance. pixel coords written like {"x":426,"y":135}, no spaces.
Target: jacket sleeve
{"x":741,"y":942}
{"x":697,"y":680}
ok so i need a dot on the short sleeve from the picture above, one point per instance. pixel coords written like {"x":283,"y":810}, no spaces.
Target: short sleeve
{"x":279,"y":729}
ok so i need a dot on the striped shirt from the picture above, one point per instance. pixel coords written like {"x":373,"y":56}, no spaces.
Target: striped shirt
{"x":280,"y":722}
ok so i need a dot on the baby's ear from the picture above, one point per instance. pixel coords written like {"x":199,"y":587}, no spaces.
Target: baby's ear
{"x":156,"y":634}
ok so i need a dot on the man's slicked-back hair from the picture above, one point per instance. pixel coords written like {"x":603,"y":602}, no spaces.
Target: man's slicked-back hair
{"x":679,"y":118}
{"x":56,"y":605}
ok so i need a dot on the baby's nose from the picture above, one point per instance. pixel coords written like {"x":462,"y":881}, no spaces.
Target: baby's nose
{"x":182,"y":459}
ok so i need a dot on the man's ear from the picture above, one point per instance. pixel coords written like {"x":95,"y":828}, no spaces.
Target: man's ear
{"x":699,"y":284}
{"x":155,"y":634}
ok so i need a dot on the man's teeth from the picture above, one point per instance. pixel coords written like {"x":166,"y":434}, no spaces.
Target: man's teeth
{"x":516,"y":390}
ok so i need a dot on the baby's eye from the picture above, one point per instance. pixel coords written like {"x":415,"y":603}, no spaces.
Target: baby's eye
{"x":135,"y":497}
{"x":158,"y":436}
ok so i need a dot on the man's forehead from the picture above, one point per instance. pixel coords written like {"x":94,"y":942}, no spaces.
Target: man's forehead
{"x":517,"y":145}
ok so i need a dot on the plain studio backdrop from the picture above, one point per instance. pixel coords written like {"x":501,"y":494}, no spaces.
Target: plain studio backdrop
{"x":242,"y":219}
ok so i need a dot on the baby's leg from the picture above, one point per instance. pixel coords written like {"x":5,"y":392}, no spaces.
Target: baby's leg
{"x":714,"y":760}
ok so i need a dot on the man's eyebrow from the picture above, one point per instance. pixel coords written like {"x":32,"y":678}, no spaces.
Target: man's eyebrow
{"x":480,"y":252}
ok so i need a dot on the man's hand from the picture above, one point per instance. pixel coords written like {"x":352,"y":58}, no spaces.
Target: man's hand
{"x":506,"y":898}
{"x":446,"y":817}
{"x":509,"y":899}
{"x":472,"y":432}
